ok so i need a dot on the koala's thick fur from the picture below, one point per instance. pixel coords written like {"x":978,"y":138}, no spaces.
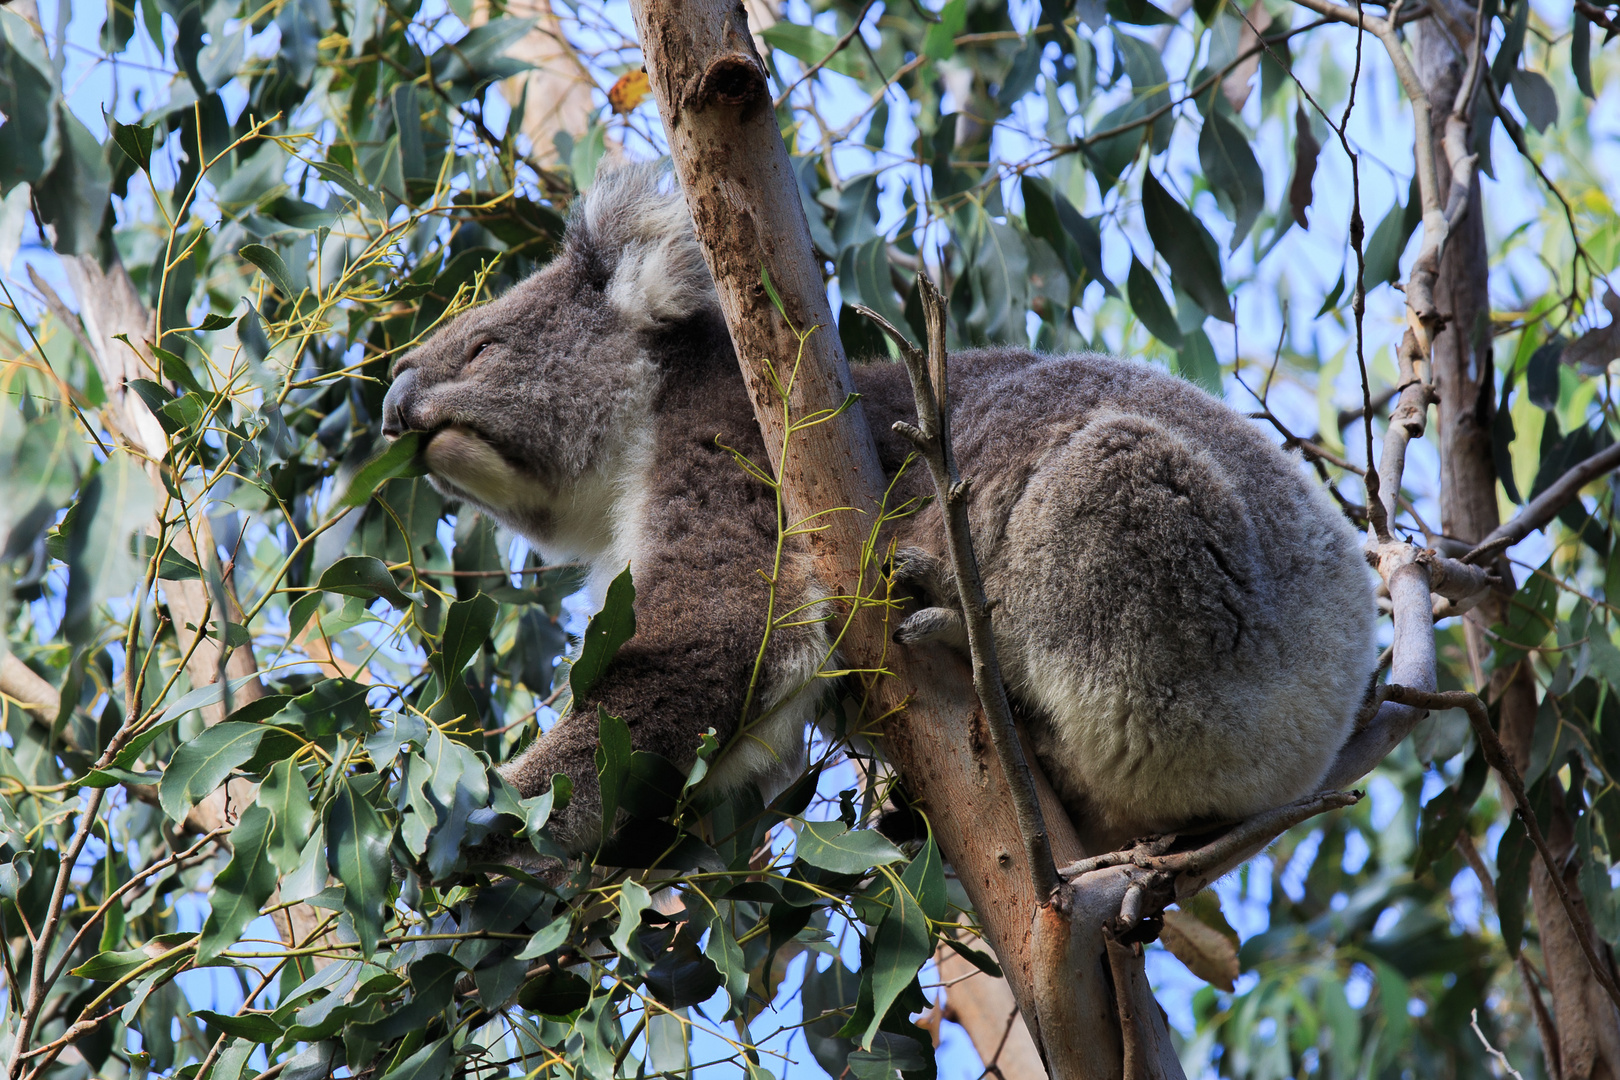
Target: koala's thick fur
{"x":1184,"y":620}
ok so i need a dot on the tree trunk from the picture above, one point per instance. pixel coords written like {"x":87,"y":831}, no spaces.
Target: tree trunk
{"x":1588,"y":1026}
{"x":985,"y":1009}
{"x":739,"y":183}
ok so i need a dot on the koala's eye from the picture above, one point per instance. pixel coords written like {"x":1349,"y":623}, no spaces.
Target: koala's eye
{"x":478,"y":350}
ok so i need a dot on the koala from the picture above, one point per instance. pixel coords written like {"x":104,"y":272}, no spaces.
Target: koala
{"x":1185,"y":622}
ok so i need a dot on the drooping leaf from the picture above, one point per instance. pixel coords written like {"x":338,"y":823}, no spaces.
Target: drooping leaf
{"x":286,"y":795}
{"x":1208,"y":953}
{"x":609,"y":628}
{"x":902,"y":944}
{"x":1306,"y":150}
{"x":1580,"y":54}
{"x":1514,"y":853}
{"x":1233,"y":173}
{"x":242,"y":888}
{"x":357,"y":839}
{"x":1536,"y":98}
{"x":1148,"y":304}
{"x":1197,"y":363}
{"x":940,"y":41}
{"x":631,"y":89}
{"x":273,"y":267}
{"x":1389,"y":240}
{"x":1184,"y":243}
{"x":613,"y":762}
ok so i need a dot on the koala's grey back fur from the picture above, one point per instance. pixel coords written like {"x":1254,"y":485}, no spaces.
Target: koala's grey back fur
{"x":1184,"y":619}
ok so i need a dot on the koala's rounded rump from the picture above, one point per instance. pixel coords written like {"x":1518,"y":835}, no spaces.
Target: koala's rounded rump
{"x":1186,"y":619}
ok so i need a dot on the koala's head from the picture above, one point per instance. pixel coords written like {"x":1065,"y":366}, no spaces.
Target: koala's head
{"x":530,"y":402}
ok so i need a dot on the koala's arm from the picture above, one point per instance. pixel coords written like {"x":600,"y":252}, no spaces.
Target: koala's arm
{"x":668,"y":691}
{"x":701,"y":606}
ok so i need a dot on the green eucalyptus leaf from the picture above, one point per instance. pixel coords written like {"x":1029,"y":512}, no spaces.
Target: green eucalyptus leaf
{"x":831,"y":846}
{"x":609,"y":629}
{"x":1184,"y":243}
{"x":903,"y":943}
{"x":203,"y":764}
{"x":1514,"y":853}
{"x":272,"y":266}
{"x":258,"y":1027}
{"x":1149,"y":305}
{"x":242,"y":888}
{"x":1232,"y":171}
{"x":399,"y":459}
{"x":357,"y":841}
{"x":135,"y":141}
{"x":366,"y":577}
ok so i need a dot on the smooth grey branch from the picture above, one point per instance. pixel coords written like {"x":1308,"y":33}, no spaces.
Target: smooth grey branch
{"x":1544,"y":507}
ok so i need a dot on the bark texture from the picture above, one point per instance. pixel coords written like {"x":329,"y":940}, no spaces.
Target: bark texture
{"x":985,"y":1008}
{"x":711,"y":89}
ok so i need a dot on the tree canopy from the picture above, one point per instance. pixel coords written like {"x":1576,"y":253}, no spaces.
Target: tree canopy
{"x":258,"y":672}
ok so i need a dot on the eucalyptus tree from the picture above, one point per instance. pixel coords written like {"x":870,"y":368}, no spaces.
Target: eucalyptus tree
{"x":258,"y":671}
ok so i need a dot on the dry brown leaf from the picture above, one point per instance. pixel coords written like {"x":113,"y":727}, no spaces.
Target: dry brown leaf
{"x":1593,"y":350}
{"x":1207,"y":952}
{"x":1236,"y":84}
{"x":631,"y":90}
{"x":1305,"y":150}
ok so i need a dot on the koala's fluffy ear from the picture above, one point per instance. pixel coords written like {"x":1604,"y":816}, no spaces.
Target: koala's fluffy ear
{"x":640,"y":227}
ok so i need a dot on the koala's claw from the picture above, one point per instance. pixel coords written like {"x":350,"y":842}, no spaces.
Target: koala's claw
{"x":914,"y":566}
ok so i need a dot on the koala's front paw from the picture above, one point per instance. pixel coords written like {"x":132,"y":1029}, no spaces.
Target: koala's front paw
{"x":939,"y":624}
{"x":912,"y":566}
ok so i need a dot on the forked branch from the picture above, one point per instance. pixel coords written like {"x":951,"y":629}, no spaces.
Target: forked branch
{"x":932,"y":437}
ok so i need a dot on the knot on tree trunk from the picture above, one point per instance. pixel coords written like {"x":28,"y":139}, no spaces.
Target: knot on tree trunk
{"x":735,"y":80}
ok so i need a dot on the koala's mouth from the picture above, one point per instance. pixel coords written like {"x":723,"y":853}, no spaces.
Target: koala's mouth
{"x":465,"y":458}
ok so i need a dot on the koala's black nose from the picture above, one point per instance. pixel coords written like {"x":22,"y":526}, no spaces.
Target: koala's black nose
{"x":397,"y":403}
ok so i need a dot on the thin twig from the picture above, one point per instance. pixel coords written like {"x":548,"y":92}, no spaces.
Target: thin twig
{"x":1473,"y":1022}
{"x":1196,"y":868}
{"x":47,"y":932}
{"x":838,"y":47}
{"x":1544,"y":507}
{"x":932,"y":438}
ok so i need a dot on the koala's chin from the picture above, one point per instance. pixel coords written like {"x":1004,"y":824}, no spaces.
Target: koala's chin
{"x":463,"y":465}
